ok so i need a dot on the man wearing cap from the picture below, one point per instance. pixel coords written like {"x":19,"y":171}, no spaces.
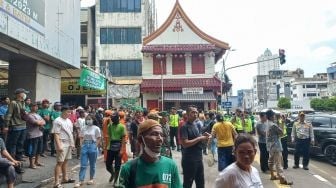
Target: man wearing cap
{"x":173,"y":122}
{"x":150,"y":169}
{"x":16,"y":125}
{"x":116,"y":141}
{"x":165,"y":150}
{"x":45,"y":113}
{"x":225,"y":134}
{"x":274,"y":148}
{"x":238,"y":121}
{"x":303,"y":136}
{"x":192,"y":157}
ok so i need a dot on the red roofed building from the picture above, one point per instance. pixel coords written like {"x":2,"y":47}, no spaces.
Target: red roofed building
{"x":180,"y":59}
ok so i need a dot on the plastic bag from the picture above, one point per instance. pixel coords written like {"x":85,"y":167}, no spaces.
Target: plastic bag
{"x":210,"y":159}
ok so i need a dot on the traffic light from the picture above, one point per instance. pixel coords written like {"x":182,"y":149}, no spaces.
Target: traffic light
{"x":282,"y":56}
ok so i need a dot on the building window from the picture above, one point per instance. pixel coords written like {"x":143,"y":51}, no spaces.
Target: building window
{"x":303,"y":86}
{"x":310,"y":85}
{"x":304,"y":95}
{"x":311,"y":94}
{"x":120,"y":35}
{"x":120,"y":5}
{"x":198,"y":64}
{"x":157,"y":65}
{"x":179,"y":65}
{"x":119,"y":68}
{"x":84,"y":33}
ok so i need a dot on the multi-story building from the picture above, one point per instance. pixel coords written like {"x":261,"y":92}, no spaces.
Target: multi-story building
{"x":120,"y":27}
{"x":245,"y":99}
{"x":179,"y":65}
{"x":260,"y":92}
{"x":331,"y":71}
{"x":308,"y":88}
{"x":268,"y":62}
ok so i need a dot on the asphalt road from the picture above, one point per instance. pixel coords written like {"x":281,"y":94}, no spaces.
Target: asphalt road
{"x":320,"y":175}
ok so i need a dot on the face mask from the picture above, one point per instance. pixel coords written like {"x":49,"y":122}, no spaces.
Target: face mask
{"x":148,"y":151}
{"x":24,"y":96}
{"x":89,"y":122}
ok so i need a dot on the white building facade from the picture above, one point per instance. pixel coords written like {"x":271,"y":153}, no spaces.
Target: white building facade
{"x":309,"y":88}
{"x":270,"y":62}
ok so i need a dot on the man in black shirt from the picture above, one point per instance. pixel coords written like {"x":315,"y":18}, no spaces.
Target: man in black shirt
{"x":192,"y":160}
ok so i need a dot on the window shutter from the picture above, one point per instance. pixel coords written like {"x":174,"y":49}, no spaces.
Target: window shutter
{"x":157,"y":65}
{"x":197,"y":64}
{"x":179,"y":65}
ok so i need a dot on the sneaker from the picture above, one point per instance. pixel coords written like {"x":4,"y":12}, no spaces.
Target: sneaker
{"x":306,"y":168}
{"x":296,"y":166}
{"x":79,"y":184}
{"x":43,"y":155}
{"x":91,"y":182}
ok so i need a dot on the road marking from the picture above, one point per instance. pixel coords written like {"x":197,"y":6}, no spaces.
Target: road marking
{"x":320,"y":178}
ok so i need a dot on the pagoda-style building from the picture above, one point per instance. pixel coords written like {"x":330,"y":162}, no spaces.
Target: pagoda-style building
{"x":188,"y":57}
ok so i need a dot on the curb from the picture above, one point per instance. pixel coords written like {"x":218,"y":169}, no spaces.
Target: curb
{"x":51,"y":179}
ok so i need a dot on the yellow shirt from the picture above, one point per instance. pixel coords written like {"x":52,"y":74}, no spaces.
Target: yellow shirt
{"x":224,"y":133}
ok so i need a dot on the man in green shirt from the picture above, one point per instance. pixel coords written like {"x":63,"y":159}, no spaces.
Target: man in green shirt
{"x":150,"y":169}
{"x":116,"y":140}
{"x":45,"y":113}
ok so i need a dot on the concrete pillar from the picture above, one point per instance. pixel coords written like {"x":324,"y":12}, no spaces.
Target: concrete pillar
{"x":41,"y":80}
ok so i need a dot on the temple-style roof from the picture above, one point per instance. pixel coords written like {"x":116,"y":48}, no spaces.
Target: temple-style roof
{"x":178,"y":12}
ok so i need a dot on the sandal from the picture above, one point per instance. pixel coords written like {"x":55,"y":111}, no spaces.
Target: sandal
{"x":39,"y":164}
{"x":68,"y":181}
{"x":58,"y":186}
{"x":33,"y":167}
{"x":91,"y":182}
{"x":286,"y":182}
{"x":79,"y":184}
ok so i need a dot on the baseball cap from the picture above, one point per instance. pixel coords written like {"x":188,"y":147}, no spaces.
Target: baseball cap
{"x":57,"y":104}
{"x":146,"y":125}
{"x":20,"y":90}
{"x":154,"y":116}
{"x":45,"y":101}
{"x":108,"y":112}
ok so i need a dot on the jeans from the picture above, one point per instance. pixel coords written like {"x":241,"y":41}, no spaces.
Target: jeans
{"x":193,"y":170}
{"x":284,"y":152}
{"x":89,"y":153}
{"x":15,"y":143}
{"x":263,"y":157}
{"x":225,"y":157}
{"x":302,"y":148}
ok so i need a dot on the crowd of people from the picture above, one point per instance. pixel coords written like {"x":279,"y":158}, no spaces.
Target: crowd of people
{"x":31,"y":129}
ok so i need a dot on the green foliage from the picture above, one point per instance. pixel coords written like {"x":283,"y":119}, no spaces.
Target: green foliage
{"x":284,"y":103}
{"x":324,"y":104}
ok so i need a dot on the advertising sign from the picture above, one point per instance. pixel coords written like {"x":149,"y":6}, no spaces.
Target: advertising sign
{"x":92,"y":79}
{"x":194,"y":90}
{"x":71,"y":87}
{"x":30,"y":13}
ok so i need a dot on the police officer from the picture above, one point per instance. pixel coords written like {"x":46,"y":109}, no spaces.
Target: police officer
{"x":238,"y":121}
{"x":303,"y":136}
{"x":248,"y":122}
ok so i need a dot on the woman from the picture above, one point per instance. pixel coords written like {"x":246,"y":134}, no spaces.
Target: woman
{"x":241,"y":173}
{"x":90,"y":140}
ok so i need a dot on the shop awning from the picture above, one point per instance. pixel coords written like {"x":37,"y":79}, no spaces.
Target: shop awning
{"x":206,"y":96}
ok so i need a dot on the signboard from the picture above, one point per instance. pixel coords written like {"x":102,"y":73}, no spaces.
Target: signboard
{"x":71,"y":87}
{"x":30,"y":13}
{"x":193,"y":90}
{"x":227,"y":104}
{"x":92,"y":79}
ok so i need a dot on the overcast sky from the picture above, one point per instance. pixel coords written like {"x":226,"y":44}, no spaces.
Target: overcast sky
{"x":305,"y":29}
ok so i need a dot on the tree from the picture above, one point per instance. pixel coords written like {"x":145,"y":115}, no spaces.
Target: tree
{"x":324,"y":104}
{"x":284,"y":103}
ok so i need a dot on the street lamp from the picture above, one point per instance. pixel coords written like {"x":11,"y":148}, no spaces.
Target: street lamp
{"x":159,"y":56}
{"x":223,"y":76}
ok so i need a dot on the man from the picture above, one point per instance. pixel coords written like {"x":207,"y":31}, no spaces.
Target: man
{"x":261,"y":130}
{"x":225,"y":134}
{"x":54,"y":115}
{"x":165,"y":149}
{"x":3,"y":110}
{"x":106,"y":122}
{"x":116,"y":141}
{"x":173,"y":122}
{"x":211,"y":123}
{"x":192,"y":158}
{"x":133,"y":134}
{"x":124,"y":156}
{"x":303,"y":136}
{"x":282,"y":123}
{"x":181,"y":123}
{"x":248,"y":123}
{"x":35,"y":124}
{"x":274,"y":148}
{"x":99,"y":117}
{"x":45,"y":113}
{"x":238,"y":121}
{"x":150,"y":169}
{"x":16,"y":125}
{"x":8,"y":165}
{"x":64,"y":142}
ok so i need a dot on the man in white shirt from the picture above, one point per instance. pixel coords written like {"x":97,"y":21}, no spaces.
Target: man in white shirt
{"x":64,"y":142}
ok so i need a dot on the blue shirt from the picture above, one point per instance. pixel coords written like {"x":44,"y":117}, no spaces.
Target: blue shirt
{"x":3,"y":110}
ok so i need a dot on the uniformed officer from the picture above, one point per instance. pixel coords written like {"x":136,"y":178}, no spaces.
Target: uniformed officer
{"x":303,"y":136}
{"x":238,"y":121}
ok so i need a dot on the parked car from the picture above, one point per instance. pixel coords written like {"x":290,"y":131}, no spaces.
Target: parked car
{"x":324,"y":126}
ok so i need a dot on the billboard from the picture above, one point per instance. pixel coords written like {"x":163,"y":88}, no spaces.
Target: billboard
{"x":51,"y":26}
{"x":72,"y":87}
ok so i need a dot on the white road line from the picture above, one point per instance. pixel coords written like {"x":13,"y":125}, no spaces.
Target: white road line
{"x":320,"y":178}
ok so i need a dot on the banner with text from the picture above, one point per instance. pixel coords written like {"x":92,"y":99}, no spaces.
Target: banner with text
{"x":92,"y":79}
{"x":71,"y":87}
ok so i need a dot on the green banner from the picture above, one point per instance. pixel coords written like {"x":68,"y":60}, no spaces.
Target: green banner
{"x":92,"y":79}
